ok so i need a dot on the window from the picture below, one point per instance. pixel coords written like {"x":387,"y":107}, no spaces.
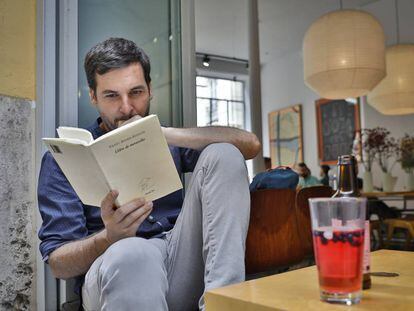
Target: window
{"x":220,"y":102}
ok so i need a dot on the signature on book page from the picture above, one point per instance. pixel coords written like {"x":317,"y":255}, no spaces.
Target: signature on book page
{"x":146,"y":185}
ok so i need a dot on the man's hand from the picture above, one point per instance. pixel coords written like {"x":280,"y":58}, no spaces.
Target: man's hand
{"x":123,"y":221}
{"x":125,"y":122}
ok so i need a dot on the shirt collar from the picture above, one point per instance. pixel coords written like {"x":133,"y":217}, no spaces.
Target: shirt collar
{"x":95,"y":129}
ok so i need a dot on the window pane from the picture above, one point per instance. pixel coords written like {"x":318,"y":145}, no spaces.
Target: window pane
{"x":203,"y":87}
{"x":214,"y":113}
{"x":224,"y":89}
{"x":238,"y":90}
{"x":203,"y":112}
{"x":220,"y":102}
{"x":236,"y":114}
{"x":150,"y":25}
{"x":222,"y":117}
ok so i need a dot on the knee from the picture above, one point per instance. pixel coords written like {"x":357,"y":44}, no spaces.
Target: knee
{"x":224,"y":155}
{"x":130,"y":252}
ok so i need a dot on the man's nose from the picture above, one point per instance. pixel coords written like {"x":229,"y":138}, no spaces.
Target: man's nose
{"x":126,"y":106}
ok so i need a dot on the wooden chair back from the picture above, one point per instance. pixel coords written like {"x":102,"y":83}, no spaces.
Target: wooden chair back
{"x":303,"y":213}
{"x":273,"y":239}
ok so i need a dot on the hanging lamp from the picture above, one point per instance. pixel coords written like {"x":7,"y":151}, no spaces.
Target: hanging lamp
{"x":395,"y":94}
{"x":344,"y":54}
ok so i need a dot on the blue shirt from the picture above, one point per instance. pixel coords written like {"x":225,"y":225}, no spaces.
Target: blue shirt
{"x":66,"y":219}
{"x":308,"y":182}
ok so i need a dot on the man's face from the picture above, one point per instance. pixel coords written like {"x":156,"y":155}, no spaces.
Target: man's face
{"x":303,"y":171}
{"x":121,"y":94}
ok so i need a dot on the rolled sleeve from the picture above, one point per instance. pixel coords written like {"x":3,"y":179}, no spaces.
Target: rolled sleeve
{"x":60,"y":208}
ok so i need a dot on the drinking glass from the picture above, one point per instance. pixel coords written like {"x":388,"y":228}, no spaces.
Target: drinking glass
{"x":338,"y":242}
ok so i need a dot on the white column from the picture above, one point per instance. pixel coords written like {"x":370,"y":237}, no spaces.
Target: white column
{"x":255,"y":85}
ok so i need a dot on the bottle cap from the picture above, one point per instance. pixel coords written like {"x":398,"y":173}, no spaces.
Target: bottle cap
{"x":346,"y":159}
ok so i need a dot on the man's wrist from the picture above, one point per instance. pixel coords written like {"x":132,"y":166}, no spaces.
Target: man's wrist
{"x":101,"y":242}
{"x":168,"y":134}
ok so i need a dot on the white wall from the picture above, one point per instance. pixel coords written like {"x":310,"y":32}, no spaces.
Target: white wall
{"x":282,"y":74}
{"x":398,"y":126}
{"x":221,"y":28}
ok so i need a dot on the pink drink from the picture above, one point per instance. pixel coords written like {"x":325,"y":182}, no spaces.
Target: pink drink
{"x":339,"y":256}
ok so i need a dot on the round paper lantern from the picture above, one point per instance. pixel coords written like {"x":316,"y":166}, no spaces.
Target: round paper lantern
{"x":395,"y":94}
{"x":344,"y":54}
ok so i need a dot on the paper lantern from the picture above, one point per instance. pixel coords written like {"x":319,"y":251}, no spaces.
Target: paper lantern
{"x":395,"y":94}
{"x":344,"y":54}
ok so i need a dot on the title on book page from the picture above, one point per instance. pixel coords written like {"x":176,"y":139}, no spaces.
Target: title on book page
{"x":128,"y":142}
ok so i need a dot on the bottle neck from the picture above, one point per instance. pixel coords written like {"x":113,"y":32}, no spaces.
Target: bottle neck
{"x":347,"y":181}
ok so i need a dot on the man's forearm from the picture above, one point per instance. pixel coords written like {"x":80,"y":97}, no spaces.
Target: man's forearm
{"x":200,"y":137}
{"x":75,"y":258}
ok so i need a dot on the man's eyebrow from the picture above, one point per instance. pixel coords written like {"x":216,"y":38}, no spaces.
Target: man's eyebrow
{"x":138,"y":87}
{"x":108,"y":92}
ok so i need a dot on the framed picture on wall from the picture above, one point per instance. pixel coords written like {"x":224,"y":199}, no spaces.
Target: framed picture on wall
{"x":285,"y":135}
{"x":338,"y":121}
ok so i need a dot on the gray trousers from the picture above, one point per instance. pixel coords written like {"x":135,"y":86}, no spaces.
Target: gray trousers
{"x":204,"y":250}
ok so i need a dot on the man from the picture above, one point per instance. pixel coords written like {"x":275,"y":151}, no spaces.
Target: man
{"x":324,"y":173}
{"x":305,"y":177}
{"x":140,"y":256}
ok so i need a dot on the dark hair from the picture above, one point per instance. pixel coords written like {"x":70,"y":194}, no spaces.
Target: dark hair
{"x":325,"y":169}
{"x":111,"y":54}
{"x":302,"y":164}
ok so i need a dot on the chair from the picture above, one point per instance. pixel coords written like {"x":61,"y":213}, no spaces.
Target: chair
{"x":273,"y":240}
{"x":303,"y":213}
{"x":400,"y":223}
{"x":376,"y":231}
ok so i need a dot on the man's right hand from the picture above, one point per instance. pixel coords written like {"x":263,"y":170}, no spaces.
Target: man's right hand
{"x":123,"y":221}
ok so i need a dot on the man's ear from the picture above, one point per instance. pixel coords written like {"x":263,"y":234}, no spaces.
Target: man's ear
{"x":92,"y":97}
{"x":150,"y":91}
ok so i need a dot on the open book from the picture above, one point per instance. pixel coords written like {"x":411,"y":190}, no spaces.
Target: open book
{"x":133,"y":159}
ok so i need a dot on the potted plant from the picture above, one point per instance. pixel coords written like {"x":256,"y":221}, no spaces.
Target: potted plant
{"x":406,"y":159}
{"x":385,"y":148}
{"x":368,"y":157}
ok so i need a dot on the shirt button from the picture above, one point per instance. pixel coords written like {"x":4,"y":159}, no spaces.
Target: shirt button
{"x":151,"y":219}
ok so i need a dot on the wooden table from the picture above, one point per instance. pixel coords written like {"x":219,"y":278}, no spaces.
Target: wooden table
{"x":298,"y":290}
{"x":392,"y":196}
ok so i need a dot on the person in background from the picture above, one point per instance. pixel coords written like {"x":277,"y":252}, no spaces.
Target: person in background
{"x":324,"y":175}
{"x":305,"y":177}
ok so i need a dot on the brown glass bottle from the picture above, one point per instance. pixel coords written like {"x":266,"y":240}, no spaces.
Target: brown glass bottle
{"x":348,"y":187}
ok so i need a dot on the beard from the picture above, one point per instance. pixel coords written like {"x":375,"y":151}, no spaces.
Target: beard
{"x":114,"y":124}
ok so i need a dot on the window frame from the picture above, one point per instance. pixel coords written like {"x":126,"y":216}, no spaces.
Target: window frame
{"x":244,"y":79}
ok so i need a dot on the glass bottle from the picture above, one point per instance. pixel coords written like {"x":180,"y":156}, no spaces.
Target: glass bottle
{"x":348,"y":187}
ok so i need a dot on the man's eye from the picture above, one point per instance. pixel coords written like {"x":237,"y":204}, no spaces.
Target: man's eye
{"x":111,"y":95}
{"x":136,"y":92}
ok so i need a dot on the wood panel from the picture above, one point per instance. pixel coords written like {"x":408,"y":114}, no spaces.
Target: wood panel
{"x":303,"y":213}
{"x":273,"y":238}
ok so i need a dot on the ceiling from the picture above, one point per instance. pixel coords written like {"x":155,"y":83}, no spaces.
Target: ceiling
{"x":222,"y":25}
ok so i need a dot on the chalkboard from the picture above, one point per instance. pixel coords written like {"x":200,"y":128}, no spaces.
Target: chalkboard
{"x":338,"y":121}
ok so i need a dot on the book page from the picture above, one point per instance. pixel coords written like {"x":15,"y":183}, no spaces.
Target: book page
{"x":75,"y":133}
{"x":80,"y":168}
{"x":137,"y":161}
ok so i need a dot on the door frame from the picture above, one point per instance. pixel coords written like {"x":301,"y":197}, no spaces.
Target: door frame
{"x":57,"y":91}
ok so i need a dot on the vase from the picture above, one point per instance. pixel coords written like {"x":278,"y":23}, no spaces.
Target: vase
{"x":409,"y":181}
{"x":367,"y":185}
{"x":388,"y":182}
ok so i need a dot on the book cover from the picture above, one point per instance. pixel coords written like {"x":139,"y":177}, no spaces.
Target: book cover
{"x":133,"y":159}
